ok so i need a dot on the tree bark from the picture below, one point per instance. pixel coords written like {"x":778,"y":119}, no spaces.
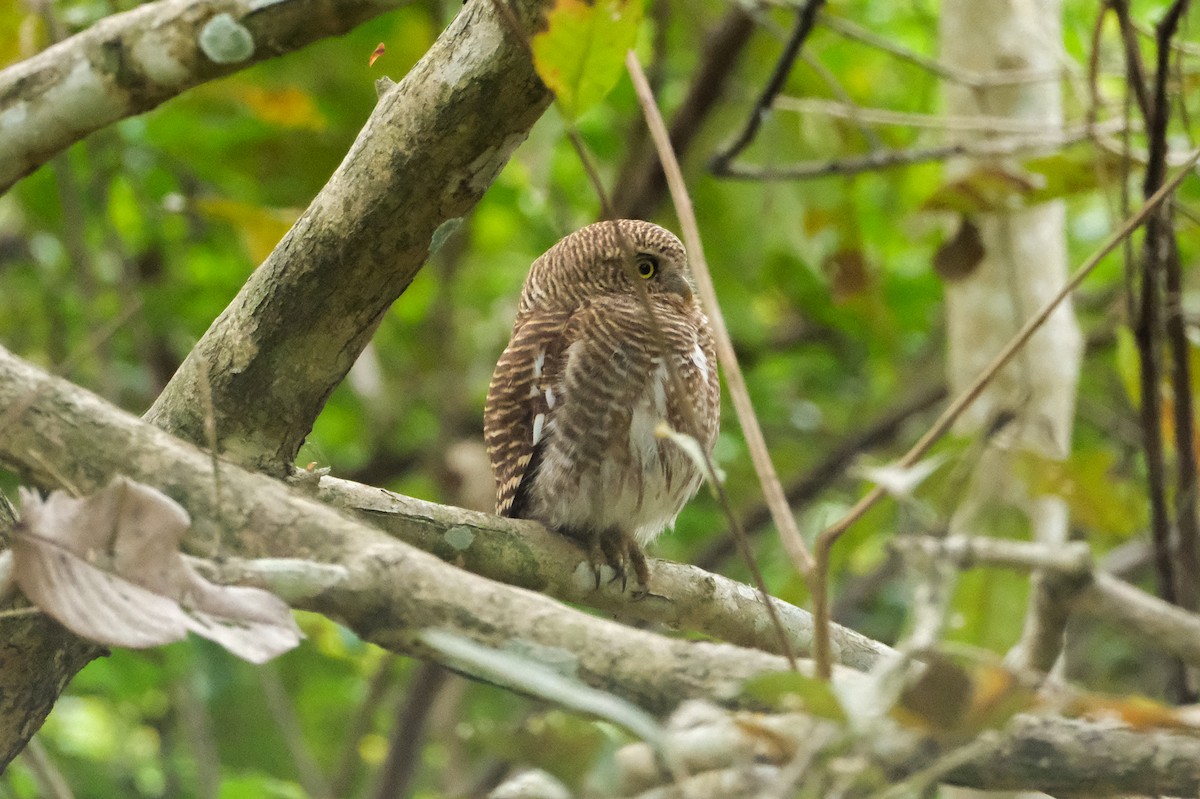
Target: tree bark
{"x":433,"y":145}
{"x":1023,"y":264}
{"x":129,"y":63}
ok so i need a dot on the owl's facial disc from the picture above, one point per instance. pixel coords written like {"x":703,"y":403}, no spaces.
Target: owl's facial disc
{"x":662,"y":273}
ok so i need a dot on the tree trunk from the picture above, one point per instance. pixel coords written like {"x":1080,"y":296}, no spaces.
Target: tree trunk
{"x":1023,"y":264}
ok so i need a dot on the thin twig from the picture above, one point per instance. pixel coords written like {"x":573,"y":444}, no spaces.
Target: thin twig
{"x":828,"y":537}
{"x":734,"y":380}
{"x":407,"y":737}
{"x":846,"y":104}
{"x":806,"y":19}
{"x":977,"y":80}
{"x":1165,"y":250}
{"x":50,"y":781}
{"x":1083,"y":588}
{"x":832,"y":466}
{"x":641,"y":184}
{"x":348,"y":759}
{"x":198,"y":733}
{"x":210,"y":435}
{"x":1134,"y":68}
{"x":887,"y":116}
{"x":280,"y":707}
{"x":1183,"y":48}
{"x":887,"y":159}
{"x":1162,"y":289}
{"x":66,"y":366}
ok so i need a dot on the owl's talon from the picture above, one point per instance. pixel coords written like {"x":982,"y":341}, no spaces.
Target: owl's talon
{"x":596,"y":559}
{"x":620,"y":553}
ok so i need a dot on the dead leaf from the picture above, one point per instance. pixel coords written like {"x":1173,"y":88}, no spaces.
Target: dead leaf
{"x":380,"y":49}
{"x":848,"y":274}
{"x":958,"y":258}
{"x":691,"y":447}
{"x":108,"y":567}
{"x":1139,"y":712}
{"x":953,"y":701}
{"x":900,"y":481}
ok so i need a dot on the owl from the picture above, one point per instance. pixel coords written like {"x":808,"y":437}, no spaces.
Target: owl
{"x":577,"y":395}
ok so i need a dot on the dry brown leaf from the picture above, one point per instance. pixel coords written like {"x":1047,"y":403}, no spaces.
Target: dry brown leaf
{"x":108,"y":567}
{"x":958,"y":258}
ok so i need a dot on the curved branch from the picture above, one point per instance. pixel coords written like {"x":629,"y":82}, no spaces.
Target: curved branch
{"x":390,"y":593}
{"x":433,"y":145}
{"x":129,"y":63}
{"x":60,"y":434}
{"x":526,"y":554}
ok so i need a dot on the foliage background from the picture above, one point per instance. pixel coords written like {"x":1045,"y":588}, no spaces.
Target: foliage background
{"x":116,"y":257}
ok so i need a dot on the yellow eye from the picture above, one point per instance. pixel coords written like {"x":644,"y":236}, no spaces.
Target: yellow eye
{"x":647,"y":266}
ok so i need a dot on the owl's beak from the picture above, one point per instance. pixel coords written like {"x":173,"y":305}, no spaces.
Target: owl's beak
{"x":680,"y":284}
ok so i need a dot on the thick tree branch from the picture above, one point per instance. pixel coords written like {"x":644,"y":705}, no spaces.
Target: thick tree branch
{"x":518,"y":552}
{"x":433,"y":145}
{"x":129,"y":63}
{"x":526,"y":554}
{"x":388,"y":591}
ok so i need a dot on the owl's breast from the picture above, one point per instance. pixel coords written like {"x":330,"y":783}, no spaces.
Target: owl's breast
{"x":619,"y":473}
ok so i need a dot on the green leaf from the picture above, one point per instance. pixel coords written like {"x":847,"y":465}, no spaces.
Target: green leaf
{"x":994,"y":188}
{"x":785,"y":690}
{"x":987,"y":189}
{"x":1073,"y":171}
{"x":581,"y":54}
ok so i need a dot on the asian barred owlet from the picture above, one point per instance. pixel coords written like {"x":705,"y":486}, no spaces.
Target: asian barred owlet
{"x":575,"y":399}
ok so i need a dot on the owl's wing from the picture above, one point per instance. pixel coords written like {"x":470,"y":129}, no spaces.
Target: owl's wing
{"x":515,"y":400}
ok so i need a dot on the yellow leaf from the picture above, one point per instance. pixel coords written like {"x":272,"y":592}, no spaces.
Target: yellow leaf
{"x":287,"y":107}
{"x":260,"y":228}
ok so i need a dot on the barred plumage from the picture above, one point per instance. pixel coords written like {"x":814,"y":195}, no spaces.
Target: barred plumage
{"x":577,"y":394}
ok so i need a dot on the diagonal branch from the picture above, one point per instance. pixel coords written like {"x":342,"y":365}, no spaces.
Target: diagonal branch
{"x":129,"y":63}
{"x":432,"y":147}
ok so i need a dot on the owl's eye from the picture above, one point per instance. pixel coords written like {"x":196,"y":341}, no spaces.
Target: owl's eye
{"x":647,"y":266}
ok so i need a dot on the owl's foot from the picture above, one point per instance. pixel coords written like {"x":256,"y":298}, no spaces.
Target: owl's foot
{"x":622,"y":554}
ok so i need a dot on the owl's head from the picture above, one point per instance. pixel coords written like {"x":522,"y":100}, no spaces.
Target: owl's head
{"x":609,"y":258}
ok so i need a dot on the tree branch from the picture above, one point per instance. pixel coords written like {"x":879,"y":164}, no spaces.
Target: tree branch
{"x":129,"y":63}
{"x":1077,"y":587}
{"x":386,"y":591}
{"x":391,"y":593}
{"x":1045,"y":753}
{"x":433,"y":145}
{"x":528,"y":555}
